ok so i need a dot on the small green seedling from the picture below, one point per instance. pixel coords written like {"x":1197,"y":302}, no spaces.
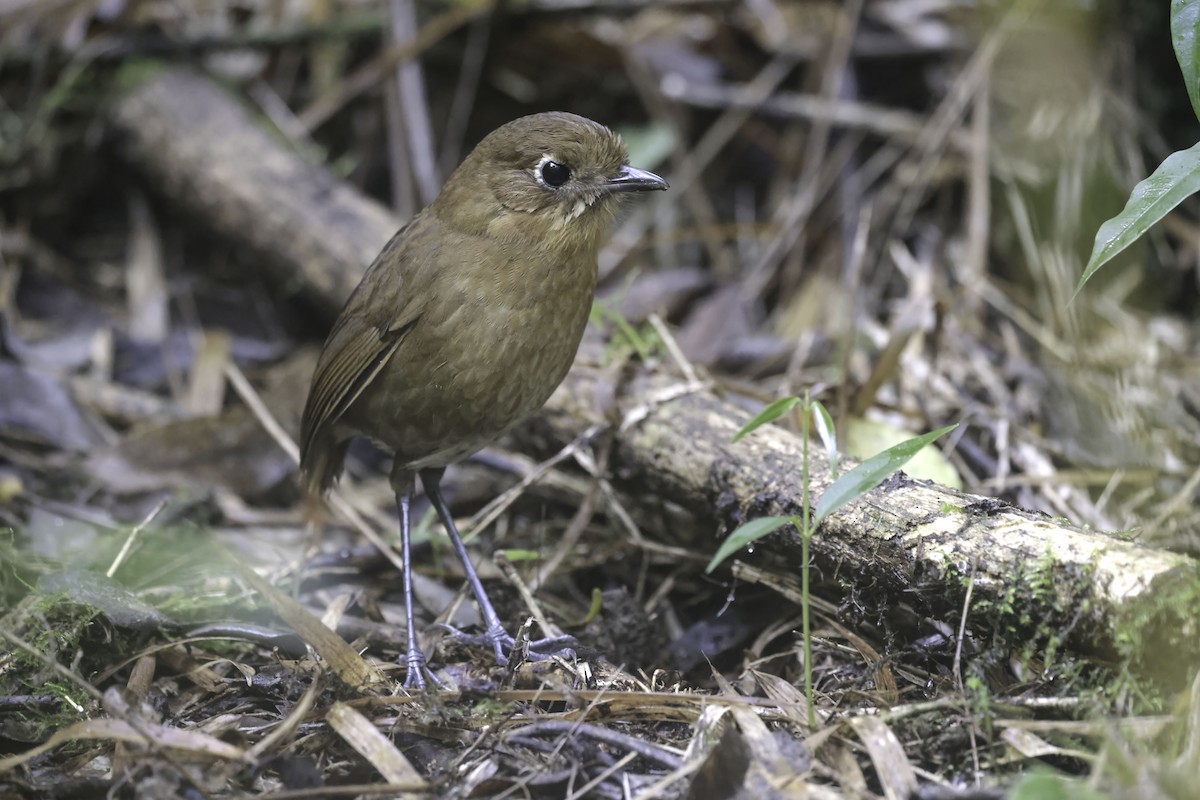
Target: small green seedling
{"x":845,"y":489}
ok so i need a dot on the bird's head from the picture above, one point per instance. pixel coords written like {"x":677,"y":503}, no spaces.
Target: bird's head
{"x":552,"y":179}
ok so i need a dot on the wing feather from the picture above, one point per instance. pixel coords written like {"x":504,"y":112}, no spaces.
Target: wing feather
{"x":377,"y":318}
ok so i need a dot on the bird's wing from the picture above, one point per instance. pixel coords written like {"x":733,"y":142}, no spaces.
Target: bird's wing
{"x":378,"y":316}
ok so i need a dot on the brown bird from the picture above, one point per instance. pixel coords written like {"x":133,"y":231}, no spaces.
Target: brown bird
{"x":468,"y":320}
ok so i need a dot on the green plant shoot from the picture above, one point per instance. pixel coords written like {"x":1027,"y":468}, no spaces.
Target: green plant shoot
{"x":851,"y":486}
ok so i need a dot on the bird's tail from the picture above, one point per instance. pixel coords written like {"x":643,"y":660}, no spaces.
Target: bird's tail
{"x":321,"y":464}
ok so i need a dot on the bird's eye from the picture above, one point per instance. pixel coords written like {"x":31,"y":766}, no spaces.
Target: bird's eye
{"x":555,"y":174}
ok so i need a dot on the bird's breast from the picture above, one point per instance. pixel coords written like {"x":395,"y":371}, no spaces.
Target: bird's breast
{"x":490,"y":347}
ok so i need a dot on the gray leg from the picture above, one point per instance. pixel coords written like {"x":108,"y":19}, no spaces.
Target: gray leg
{"x":418,"y":668}
{"x":494,"y":635}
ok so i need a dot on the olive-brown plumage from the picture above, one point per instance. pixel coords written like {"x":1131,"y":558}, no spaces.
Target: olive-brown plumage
{"x":470,"y":316}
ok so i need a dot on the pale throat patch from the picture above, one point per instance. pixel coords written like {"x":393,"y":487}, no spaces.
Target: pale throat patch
{"x":581,"y":205}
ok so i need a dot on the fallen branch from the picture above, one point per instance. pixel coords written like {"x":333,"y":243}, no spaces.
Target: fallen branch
{"x":203,"y":151}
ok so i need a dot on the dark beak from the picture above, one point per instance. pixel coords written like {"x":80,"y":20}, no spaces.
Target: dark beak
{"x":632,"y":179}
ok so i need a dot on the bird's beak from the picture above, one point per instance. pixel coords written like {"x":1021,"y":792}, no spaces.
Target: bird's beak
{"x":632,"y":179}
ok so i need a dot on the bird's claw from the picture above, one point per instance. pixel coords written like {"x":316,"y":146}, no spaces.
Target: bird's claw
{"x":419,"y":676}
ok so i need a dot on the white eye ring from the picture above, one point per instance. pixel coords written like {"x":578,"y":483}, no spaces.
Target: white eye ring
{"x":558,"y":176}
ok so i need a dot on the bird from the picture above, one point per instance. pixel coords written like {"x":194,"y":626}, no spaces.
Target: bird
{"x":467,"y":321}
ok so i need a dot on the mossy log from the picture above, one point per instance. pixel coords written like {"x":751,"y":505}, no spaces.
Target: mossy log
{"x":906,"y":541}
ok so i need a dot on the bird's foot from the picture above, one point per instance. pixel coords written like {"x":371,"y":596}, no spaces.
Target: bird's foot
{"x":419,"y":676}
{"x":519,"y":648}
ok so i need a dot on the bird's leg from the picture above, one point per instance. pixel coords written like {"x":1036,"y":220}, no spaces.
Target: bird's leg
{"x":418,"y":668}
{"x":494,"y":635}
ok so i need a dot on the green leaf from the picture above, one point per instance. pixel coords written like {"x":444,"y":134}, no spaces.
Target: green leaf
{"x":748,"y":534}
{"x":863,"y":438}
{"x":1185,"y":21}
{"x":515,"y":555}
{"x":594,"y":608}
{"x":644,"y":345}
{"x":870,"y":473}
{"x":1174,"y":181}
{"x":1043,"y":785}
{"x":769,"y":414}
{"x":828,"y":434}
